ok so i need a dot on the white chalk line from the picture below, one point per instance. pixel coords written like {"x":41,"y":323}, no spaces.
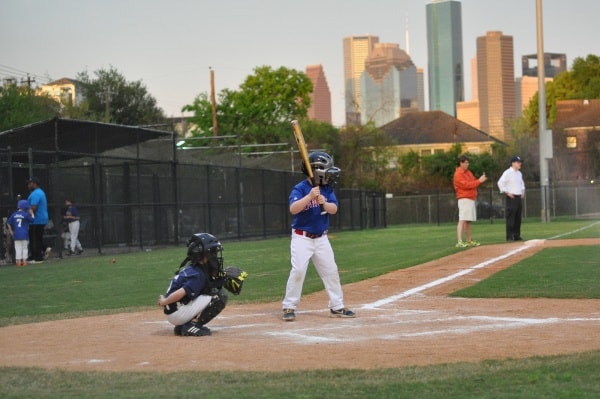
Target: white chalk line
{"x":574,"y":231}
{"x":364,"y":331}
{"x":412,"y":291}
{"x":354,"y":330}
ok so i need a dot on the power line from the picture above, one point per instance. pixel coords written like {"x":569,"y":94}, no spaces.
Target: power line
{"x":12,"y":72}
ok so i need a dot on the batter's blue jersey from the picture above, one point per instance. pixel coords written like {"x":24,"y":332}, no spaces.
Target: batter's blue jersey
{"x":192,"y":279}
{"x":310,"y":219}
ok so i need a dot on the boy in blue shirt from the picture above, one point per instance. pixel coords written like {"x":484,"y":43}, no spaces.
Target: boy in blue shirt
{"x":18,"y":227}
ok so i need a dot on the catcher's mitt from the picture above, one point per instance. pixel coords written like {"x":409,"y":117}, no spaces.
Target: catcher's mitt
{"x":233,"y":279}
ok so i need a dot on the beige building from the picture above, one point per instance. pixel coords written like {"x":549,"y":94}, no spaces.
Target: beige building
{"x":356,"y":51}
{"x":320,"y":108}
{"x":468,"y":111}
{"x":496,"y":83}
{"x":421,"y":88}
{"x":65,"y":91}
{"x":525,"y":88}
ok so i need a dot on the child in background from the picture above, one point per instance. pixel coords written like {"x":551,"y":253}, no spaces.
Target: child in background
{"x":18,"y":227}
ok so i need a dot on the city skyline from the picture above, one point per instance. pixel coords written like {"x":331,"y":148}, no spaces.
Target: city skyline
{"x":445,"y":61}
{"x":171,"y":46}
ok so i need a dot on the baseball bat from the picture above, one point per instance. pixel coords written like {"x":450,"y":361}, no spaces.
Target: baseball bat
{"x":304,"y":154}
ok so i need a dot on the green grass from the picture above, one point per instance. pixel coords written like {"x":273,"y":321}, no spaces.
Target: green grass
{"x":572,"y":376}
{"x":571,"y":272}
{"x":79,"y":286}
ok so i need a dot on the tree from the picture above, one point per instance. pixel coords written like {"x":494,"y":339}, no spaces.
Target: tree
{"x":260,"y":111}
{"x":322,"y":136}
{"x":112,"y":99}
{"x":365,"y":151}
{"x":581,"y":82}
{"x":20,"y":106}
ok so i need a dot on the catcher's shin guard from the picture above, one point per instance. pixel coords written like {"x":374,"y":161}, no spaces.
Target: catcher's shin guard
{"x":216,"y":305}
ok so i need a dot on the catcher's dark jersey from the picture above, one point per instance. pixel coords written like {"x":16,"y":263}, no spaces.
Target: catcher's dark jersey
{"x":192,"y":279}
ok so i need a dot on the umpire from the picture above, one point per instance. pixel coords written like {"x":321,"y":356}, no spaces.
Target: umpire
{"x":512,"y":185}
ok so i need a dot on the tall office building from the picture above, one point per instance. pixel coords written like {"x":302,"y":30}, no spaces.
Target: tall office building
{"x":527,"y":85}
{"x":468,"y":111}
{"x":388,"y":85}
{"x":356,"y":51}
{"x":554,"y":64}
{"x":445,"y":55}
{"x":525,"y":88}
{"x":421,"y":88}
{"x":496,"y":83}
{"x":320,"y":108}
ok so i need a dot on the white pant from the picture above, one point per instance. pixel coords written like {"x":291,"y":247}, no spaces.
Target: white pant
{"x":304,"y":249}
{"x":187,"y":312}
{"x":21,"y":250}
{"x":74,"y":235}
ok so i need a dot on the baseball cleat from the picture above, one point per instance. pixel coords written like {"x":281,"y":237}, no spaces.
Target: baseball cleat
{"x":47,"y":253}
{"x":343,"y":312}
{"x":289,"y":315}
{"x":195,"y":330}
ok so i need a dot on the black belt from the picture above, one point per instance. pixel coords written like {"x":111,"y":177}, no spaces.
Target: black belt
{"x":307,"y":234}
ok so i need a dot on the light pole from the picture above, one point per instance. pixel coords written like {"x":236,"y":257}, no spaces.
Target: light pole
{"x":545,"y":136}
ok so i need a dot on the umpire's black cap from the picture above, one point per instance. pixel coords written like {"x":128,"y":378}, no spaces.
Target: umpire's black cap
{"x":516,"y":158}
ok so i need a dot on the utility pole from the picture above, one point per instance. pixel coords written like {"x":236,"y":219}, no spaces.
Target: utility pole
{"x":545,"y":136}
{"x":29,"y":81}
{"x":213,"y":102}
{"x":107,"y":95}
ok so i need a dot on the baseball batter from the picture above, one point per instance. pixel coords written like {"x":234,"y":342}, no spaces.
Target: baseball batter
{"x":309,"y":237}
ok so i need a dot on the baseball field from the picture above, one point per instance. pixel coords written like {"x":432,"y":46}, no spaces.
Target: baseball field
{"x":503,"y":320}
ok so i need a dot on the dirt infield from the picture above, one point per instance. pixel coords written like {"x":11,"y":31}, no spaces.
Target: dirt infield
{"x":404,"y":318}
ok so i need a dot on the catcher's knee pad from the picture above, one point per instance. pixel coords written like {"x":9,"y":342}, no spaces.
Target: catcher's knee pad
{"x":216,"y":305}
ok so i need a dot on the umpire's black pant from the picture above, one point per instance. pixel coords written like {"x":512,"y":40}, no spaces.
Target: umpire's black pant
{"x":514,"y":209}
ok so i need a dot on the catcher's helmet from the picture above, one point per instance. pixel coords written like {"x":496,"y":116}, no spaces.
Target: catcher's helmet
{"x":203,"y":245}
{"x":322,"y":166}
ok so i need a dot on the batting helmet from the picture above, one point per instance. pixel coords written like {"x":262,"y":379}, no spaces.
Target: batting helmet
{"x":23,"y":205}
{"x":322,"y":166}
{"x":203,"y":245}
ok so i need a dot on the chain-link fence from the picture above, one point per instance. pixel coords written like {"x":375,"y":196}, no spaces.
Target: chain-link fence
{"x":132,"y":203}
{"x":128,"y":202}
{"x":566,"y":199}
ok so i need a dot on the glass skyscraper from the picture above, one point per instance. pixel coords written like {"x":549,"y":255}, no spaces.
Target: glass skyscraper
{"x":445,"y":55}
{"x":388,"y":85}
{"x":356,"y":51}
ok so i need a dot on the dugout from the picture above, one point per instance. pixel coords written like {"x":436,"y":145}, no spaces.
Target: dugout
{"x":135,"y":189}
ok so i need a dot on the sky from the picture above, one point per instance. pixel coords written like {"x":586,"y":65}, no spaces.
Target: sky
{"x":171,"y":45}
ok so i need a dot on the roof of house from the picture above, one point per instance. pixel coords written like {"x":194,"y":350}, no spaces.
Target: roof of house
{"x":432,"y":127}
{"x":577,"y":113}
{"x":63,"y":81}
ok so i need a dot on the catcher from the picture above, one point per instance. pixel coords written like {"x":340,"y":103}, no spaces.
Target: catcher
{"x":197,"y":294}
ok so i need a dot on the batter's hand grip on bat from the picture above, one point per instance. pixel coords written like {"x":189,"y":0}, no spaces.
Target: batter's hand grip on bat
{"x":304,"y":154}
